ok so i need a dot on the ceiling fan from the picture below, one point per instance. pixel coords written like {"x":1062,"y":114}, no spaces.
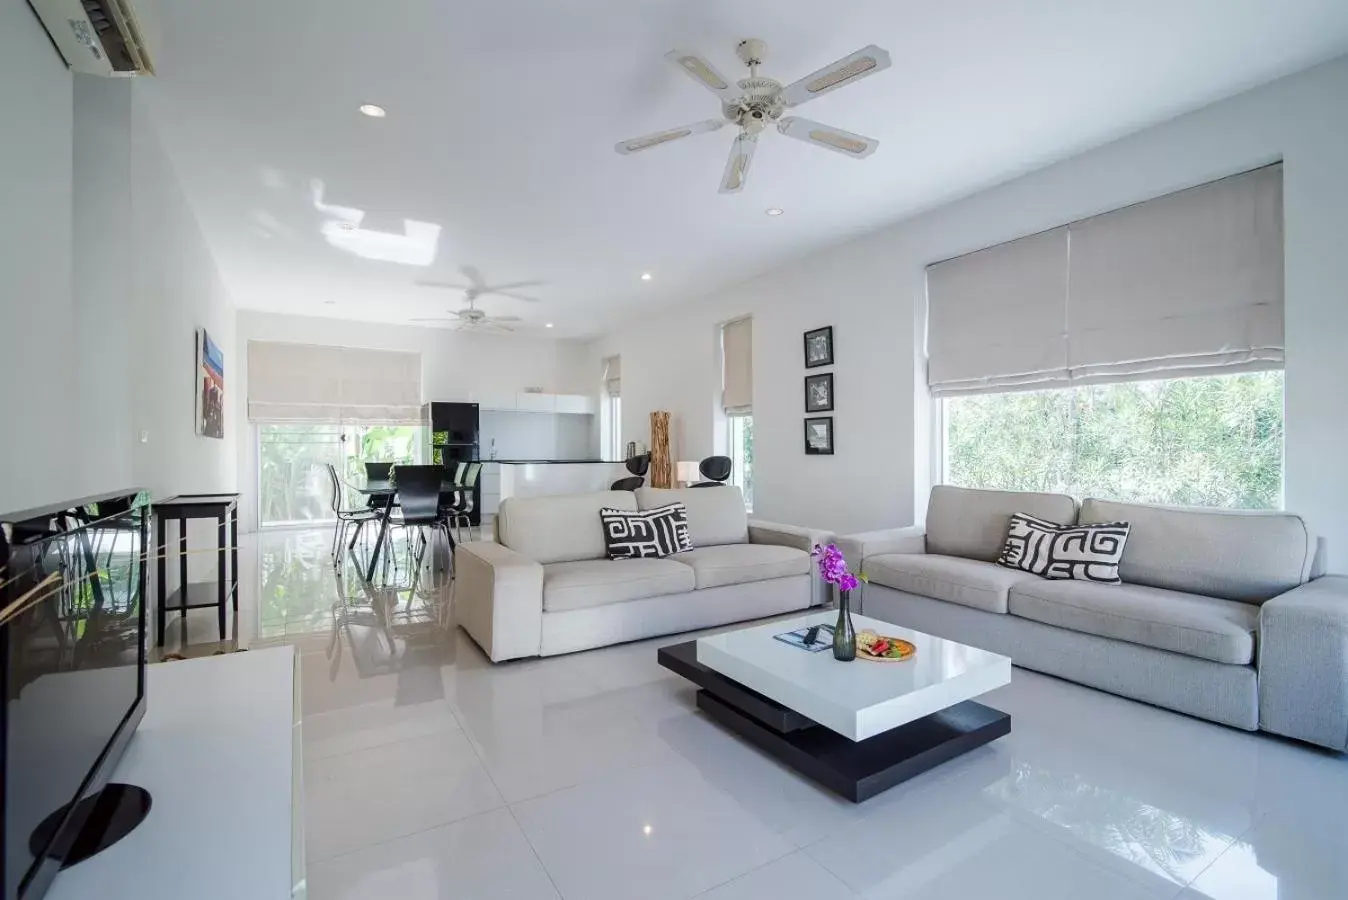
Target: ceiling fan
{"x":756,"y":102}
{"x":474,"y":319}
{"x":477,"y":286}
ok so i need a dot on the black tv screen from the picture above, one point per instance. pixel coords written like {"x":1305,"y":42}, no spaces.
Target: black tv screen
{"x":72,"y":659}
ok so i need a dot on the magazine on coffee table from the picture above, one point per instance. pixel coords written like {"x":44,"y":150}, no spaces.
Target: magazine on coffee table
{"x":822,"y":641}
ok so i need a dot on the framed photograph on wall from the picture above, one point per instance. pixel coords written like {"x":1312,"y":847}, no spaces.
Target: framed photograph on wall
{"x":819,"y":393}
{"x":210,"y":387}
{"x":819,"y":436}
{"x":819,"y":347}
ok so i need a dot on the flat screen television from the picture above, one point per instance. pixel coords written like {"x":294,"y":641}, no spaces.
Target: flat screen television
{"x":72,"y":668}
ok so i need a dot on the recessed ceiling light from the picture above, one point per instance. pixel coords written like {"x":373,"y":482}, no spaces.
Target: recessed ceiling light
{"x":645,"y":276}
{"x":329,"y":302}
{"x":773,"y":211}
{"x":549,"y":325}
{"x":373,"y":111}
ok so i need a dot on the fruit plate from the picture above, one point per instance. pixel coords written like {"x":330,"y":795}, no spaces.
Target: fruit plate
{"x":868,"y":642}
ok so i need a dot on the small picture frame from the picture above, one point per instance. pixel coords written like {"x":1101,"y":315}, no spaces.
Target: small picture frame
{"x":819,"y":347}
{"x":819,"y":393}
{"x":819,"y":436}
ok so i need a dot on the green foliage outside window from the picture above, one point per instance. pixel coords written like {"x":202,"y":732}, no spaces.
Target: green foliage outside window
{"x":1214,"y":441}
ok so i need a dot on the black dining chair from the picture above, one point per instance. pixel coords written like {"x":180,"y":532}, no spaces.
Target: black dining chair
{"x":418,"y":490}
{"x":345,"y":518}
{"x":716,"y":469}
{"x":461,"y":504}
{"x":378,"y":471}
{"x":638,"y":466}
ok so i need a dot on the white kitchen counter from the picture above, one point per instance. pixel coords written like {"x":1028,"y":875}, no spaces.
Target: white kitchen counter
{"x":541,"y":479}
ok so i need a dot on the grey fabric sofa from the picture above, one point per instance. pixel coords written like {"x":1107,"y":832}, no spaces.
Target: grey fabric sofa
{"x":1218,"y":615}
{"x":545,"y":585}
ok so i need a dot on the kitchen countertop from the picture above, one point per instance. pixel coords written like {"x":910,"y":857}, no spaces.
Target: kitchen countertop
{"x":550,"y":462}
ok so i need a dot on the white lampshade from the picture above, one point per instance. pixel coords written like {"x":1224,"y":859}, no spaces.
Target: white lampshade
{"x":687,"y":472}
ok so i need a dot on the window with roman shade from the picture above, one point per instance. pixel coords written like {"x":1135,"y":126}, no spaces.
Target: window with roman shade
{"x":1187,"y":284}
{"x":737,"y":367}
{"x":613,"y":376}
{"x":313,"y":383}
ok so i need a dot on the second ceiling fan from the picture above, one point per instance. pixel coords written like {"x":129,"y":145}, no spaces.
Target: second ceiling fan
{"x":756,"y":102}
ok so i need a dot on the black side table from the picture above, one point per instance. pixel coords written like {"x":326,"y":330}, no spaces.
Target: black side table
{"x":222,"y":508}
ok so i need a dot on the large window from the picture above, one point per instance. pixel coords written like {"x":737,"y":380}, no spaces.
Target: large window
{"x":741,"y":432}
{"x":1215,"y":441}
{"x":293,"y":482}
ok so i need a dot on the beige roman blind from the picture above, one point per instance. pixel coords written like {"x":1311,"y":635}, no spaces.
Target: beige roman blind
{"x":996,"y":317}
{"x":613,"y":376}
{"x":1187,"y":284}
{"x":313,"y":383}
{"x":737,"y":367}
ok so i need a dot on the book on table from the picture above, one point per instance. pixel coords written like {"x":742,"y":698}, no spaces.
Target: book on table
{"x":822,"y":641}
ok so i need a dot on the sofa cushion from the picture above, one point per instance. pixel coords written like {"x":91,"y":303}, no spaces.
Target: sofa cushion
{"x":560,"y":528}
{"x":740,"y":563}
{"x":599,"y":582}
{"x":968,"y":582}
{"x":716,"y":515}
{"x":1083,"y":552}
{"x":645,"y":534}
{"x":1247,"y":555}
{"x":973,"y":523}
{"x":1204,"y":627}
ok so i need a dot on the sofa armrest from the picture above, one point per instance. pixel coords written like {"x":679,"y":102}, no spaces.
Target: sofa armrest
{"x":856,"y":547}
{"x":1303,"y":663}
{"x":498,"y":599}
{"x":761,"y":532}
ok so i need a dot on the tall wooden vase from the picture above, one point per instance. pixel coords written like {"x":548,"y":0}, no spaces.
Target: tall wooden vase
{"x":661,"y":472}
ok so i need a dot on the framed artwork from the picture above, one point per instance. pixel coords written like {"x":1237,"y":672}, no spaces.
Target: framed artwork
{"x":210,"y":387}
{"x":819,"y":393}
{"x":819,"y":347}
{"x":819,"y":436}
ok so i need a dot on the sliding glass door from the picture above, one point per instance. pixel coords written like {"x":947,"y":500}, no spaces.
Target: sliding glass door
{"x":293,"y":483}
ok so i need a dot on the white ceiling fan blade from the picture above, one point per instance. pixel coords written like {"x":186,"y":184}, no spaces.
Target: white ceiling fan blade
{"x":857,"y":146}
{"x":646,"y":142}
{"x":848,"y":70}
{"x":497,"y":319}
{"x":705,"y":74}
{"x":474,"y":276}
{"x":737,"y":166}
{"x":430,"y":321}
{"x":498,"y":288}
{"x":513,"y":296}
{"x":444,"y":285}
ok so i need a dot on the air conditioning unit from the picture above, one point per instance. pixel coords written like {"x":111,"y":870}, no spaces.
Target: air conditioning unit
{"x":96,"y":37}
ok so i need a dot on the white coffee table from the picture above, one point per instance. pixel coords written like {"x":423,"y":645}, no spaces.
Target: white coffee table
{"x":857,"y":727}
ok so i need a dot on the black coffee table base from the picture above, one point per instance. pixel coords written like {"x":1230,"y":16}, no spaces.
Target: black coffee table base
{"x":858,"y":770}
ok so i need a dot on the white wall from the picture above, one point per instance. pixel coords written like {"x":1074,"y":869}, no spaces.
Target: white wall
{"x":104,"y":276}
{"x":872,"y":291}
{"x":454,"y":366}
{"x":37,"y":446}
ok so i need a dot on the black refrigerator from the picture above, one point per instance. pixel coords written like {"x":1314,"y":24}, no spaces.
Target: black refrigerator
{"x":454,"y":439}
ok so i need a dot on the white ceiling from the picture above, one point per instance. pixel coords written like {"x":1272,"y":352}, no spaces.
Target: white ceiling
{"x":502,"y":118}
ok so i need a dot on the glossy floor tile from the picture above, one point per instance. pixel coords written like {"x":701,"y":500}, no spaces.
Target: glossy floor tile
{"x":431,"y":772}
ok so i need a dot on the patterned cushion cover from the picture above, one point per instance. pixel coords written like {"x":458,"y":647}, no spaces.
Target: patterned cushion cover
{"x":649,"y":534}
{"x":1049,"y":550}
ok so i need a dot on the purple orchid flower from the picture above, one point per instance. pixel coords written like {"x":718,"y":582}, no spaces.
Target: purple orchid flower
{"x":833,"y":568}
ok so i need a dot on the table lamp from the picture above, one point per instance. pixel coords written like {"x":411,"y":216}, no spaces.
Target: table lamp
{"x":688,"y":472}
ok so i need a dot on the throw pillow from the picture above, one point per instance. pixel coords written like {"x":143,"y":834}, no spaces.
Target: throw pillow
{"x":648,"y":534}
{"x":1049,"y":550}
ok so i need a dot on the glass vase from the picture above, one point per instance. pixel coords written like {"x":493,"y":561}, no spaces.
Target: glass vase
{"x":844,"y":634}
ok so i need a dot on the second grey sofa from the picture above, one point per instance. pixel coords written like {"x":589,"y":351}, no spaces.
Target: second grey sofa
{"x":1217,"y":617}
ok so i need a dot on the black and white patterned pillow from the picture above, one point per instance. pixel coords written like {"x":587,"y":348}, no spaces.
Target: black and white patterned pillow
{"x":1049,"y":550}
{"x":648,"y":534}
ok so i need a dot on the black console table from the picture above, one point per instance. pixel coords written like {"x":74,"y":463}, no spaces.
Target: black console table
{"x":223,"y":508}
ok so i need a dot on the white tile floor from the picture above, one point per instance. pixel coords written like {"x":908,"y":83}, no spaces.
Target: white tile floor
{"x":431,"y":773}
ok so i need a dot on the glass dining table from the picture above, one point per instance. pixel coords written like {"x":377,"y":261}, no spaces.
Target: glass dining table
{"x":382,"y":495}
